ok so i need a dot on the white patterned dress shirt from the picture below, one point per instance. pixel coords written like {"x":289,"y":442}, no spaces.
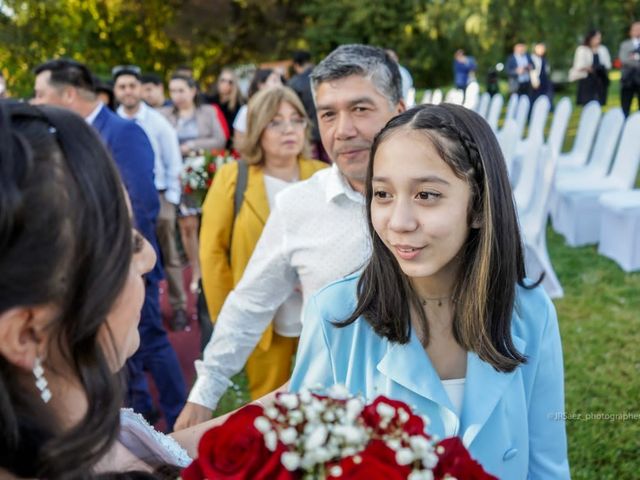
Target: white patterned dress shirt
{"x":317,"y":233}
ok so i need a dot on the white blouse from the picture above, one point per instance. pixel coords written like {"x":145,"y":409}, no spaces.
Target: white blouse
{"x":455,"y":390}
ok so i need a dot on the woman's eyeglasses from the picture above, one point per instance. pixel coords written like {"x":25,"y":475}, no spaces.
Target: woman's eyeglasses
{"x":282,"y":125}
{"x":226,"y":80}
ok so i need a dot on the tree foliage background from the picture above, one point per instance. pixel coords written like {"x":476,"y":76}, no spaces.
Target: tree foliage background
{"x":158,"y":35}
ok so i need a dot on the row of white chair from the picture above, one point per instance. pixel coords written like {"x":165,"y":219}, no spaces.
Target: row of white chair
{"x":576,"y":211}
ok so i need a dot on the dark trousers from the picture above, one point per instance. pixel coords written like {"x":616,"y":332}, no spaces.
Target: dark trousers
{"x":627,"y":92}
{"x":156,"y":356}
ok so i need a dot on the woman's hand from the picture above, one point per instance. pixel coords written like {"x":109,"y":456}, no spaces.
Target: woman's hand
{"x":192,"y":414}
{"x":186,"y":148}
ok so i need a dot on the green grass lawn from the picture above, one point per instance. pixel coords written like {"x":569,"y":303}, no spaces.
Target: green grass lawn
{"x":600,"y":325}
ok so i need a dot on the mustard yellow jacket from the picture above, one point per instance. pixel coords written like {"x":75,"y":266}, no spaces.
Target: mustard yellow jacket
{"x":222,"y":264}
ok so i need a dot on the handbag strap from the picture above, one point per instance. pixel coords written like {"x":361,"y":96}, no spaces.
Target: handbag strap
{"x":238,"y":196}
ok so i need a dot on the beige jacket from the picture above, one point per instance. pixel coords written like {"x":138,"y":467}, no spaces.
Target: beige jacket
{"x":583,"y":59}
{"x":210,"y":133}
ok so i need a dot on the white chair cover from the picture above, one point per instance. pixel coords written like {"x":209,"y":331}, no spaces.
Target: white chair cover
{"x":587,"y":127}
{"x":436,"y":97}
{"x":533,"y":225}
{"x":472,"y":96}
{"x":601,"y":154}
{"x":512,"y":105}
{"x":508,"y":139}
{"x":522,"y":113}
{"x":411,"y":97}
{"x":426,"y":97}
{"x":559,"y":124}
{"x":455,"y":96}
{"x":483,"y":105}
{"x":578,"y":209}
{"x":620,"y":228}
{"x":539,"y":114}
{"x":495,"y":107}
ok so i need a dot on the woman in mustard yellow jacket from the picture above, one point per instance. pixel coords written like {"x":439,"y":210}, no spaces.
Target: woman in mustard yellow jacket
{"x":275,"y":148}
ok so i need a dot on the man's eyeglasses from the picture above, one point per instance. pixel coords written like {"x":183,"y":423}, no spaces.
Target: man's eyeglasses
{"x":282,"y":125}
{"x":226,"y":80}
{"x":125,"y":68}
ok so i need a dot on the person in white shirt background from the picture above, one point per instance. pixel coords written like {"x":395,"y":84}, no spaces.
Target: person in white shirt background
{"x":316,"y":232}
{"x":168,"y":163}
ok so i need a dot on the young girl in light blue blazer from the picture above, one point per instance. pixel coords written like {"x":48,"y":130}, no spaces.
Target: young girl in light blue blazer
{"x":442,"y":317}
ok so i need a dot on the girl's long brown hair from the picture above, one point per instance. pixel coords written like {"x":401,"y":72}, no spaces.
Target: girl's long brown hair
{"x":492,"y":261}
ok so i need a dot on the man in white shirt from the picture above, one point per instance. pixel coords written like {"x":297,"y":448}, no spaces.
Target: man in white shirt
{"x":317,"y":231}
{"x":168,"y":163}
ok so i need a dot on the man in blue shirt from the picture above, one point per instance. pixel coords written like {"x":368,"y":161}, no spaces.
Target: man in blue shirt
{"x":464,"y":66}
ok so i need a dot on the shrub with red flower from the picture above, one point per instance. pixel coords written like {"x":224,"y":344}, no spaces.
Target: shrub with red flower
{"x":309,"y":436}
{"x":199,"y":169}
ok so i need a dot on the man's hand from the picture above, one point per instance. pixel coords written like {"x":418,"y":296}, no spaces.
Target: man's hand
{"x":192,"y":414}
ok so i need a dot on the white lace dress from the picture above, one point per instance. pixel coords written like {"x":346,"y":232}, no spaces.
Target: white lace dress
{"x":149,"y":445}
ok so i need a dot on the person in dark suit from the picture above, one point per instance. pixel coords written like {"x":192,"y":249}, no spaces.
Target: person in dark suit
{"x":629,"y":55}
{"x":519,"y":66}
{"x":69,"y":84}
{"x":301,"y":84}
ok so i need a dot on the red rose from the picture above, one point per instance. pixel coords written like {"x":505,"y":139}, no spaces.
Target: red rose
{"x":414,"y":425}
{"x":188,"y":190}
{"x":456,"y":461}
{"x":211,"y":168}
{"x":208,"y":182}
{"x":236,"y":450}
{"x":235,"y":154}
{"x":376,"y":461}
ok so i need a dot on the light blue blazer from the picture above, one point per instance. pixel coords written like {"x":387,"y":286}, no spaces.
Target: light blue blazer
{"x":512,"y":423}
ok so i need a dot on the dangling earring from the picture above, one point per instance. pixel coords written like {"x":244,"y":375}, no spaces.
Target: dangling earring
{"x":41,"y":381}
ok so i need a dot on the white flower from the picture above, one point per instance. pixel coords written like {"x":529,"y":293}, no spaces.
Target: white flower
{"x":353,"y":409}
{"x":289,"y":401}
{"x":335,"y":471}
{"x":394,"y":444}
{"x":430,"y":460}
{"x":339,"y":392}
{"x":262,"y":424}
{"x":350,"y":433}
{"x":272,"y":412}
{"x":404,"y":456}
{"x":290,"y":461}
{"x":420,"y":475}
{"x":305,"y":396}
{"x":385,"y":410}
{"x":288,"y":436}
{"x":271,"y":440}
{"x":403,"y":415}
{"x":328,"y":416}
{"x":316,"y":439}
{"x":419,"y":444}
{"x":295,"y":417}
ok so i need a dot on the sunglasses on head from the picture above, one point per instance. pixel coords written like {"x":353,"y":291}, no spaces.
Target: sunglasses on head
{"x":125,"y":68}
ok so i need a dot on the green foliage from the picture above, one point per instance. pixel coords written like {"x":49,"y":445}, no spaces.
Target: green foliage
{"x":159,"y":35}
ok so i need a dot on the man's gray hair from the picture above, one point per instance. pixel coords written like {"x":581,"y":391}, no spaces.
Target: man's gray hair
{"x":364,"y":60}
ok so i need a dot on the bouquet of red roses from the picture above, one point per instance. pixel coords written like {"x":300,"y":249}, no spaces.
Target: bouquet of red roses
{"x":309,"y":436}
{"x":199,"y":169}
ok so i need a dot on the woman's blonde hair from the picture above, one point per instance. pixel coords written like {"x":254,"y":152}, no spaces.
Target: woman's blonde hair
{"x":262,"y":107}
{"x":235,"y":97}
